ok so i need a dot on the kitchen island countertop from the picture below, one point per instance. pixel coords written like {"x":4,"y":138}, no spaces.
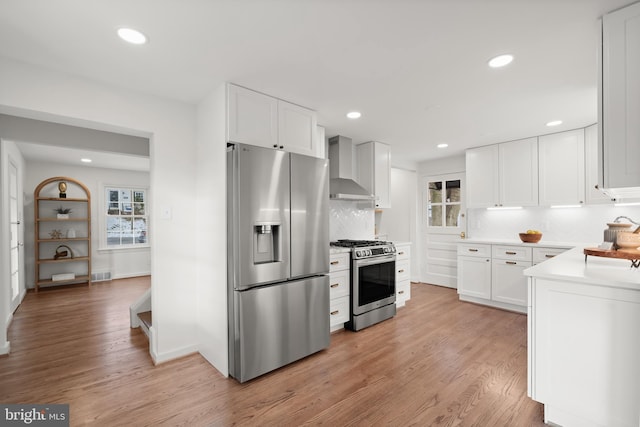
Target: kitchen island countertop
{"x":570,"y":266}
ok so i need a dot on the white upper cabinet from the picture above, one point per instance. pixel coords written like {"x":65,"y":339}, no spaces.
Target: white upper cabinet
{"x":297,"y":129}
{"x":591,"y":164}
{"x":518,"y":162}
{"x":562,"y":175}
{"x":258,"y":119}
{"x":620,"y":98}
{"x":374,"y":171}
{"x":252,"y":117}
{"x":503,"y":174}
{"x":482,"y":177}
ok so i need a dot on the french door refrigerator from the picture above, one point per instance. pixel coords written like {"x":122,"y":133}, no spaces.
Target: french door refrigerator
{"x":277,"y":258}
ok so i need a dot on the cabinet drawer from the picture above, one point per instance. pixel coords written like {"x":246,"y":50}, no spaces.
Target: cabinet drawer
{"x":339,"y":262}
{"x":338,"y":284}
{"x":469,"y":249}
{"x":403,"y":252}
{"x":403,"y":292}
{"x":543,"y":254}
{"x":402,"y":270}
{"x":519,"y":253}
{"x":339,"y":311}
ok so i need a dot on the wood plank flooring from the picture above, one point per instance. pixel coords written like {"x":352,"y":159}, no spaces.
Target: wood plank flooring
{"x":439,"y":362}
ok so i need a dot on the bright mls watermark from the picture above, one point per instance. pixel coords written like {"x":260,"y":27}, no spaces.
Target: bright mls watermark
{"x":34,"y":415}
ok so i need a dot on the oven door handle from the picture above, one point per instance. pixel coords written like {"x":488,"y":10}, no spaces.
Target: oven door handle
{"x":375,"y":260}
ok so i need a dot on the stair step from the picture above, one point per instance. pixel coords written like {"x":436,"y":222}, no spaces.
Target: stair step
{"x":145,"y":317}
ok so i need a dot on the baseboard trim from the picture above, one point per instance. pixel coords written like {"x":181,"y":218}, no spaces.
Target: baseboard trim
{"x":5,"y":348}
{"x":174,"y":354}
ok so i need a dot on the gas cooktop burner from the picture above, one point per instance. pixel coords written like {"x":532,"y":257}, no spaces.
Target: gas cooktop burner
{"x":346,"y":243}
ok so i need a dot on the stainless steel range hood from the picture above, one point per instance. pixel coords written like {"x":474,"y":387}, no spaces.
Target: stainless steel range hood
{"x":342,"y":184}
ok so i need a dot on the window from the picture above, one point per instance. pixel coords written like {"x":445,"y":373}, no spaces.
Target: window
{"x":126,"y":217}
{"x":443,"y":203}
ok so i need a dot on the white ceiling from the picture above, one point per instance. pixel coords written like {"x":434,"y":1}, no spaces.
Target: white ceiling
{"x":73,"y":156}
{"x":415,"y":69}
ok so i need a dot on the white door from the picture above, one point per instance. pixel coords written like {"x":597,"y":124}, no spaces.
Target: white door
{"x":17,"y":237}
{"x":443,"y":212}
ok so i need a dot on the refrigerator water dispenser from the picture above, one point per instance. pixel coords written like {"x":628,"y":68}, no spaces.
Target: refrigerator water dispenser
{"x":266,"y":247}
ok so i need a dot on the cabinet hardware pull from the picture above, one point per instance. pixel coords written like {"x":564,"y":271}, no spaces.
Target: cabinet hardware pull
{"x":275,"y":145}
{"x":400,"y":292}
{"x":400,"y":253}
{"x":335,"y":285}
{"x":510,"y":253}
{"x":335,"y":262}
{"x":549,"y":256}
{"x":473,"y":250}
{"x":401,"y":271}
{"x":511,"y":262}
{"x":333,"y":313}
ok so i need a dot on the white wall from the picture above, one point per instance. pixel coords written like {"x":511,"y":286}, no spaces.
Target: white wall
{"x":34,"y":92}
{"x":121,"y":263}
{"x":399,"y":223}
{"x":211,"y":247}
{"x":8,"y":149}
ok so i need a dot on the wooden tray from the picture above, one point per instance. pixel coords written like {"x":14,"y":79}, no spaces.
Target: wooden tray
{"x":632,"y":255}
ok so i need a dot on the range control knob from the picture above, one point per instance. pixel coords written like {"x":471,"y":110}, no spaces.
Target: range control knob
{"x":386,"y":250}
{"x":358,"y":253}
{"x":368,"y":252}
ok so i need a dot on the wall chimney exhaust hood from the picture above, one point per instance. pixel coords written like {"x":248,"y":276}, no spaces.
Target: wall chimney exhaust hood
{"x":342,"y":185}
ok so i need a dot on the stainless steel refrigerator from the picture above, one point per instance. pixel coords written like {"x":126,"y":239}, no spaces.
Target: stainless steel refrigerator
{"x":277,"y":258}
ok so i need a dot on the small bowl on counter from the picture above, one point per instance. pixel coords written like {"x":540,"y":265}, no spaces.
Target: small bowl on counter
{"x":530,"y":237}
{"x":628,"y":240}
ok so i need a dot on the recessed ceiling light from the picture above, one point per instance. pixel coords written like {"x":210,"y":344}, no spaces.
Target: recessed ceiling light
{"x":354,"y":114}
{"x":500,"y":61}
{"x":554,"y":123}
{"x":132,"y":36}
{"x":85,"y":160}
{"x":443,"y":145}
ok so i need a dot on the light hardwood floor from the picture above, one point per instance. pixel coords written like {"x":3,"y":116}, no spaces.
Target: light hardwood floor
{"x":438,"y":362}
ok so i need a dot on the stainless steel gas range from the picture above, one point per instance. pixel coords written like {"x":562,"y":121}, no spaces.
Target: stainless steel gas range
{"x":373,"y":282}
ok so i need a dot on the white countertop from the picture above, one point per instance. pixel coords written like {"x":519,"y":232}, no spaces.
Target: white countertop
{"x":514,"y":242}
{"x":338,"y":250}
{"x":570,"y":266}
{"x":401,"y":243}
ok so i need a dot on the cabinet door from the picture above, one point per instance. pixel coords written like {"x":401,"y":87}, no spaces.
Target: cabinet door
{"x":482,"y":177}
{"x":562,"y":168}
{"x":374,"y":171}
{"x":508,"y":283}
{"x":382,"y":174}
{"x":518,"y":176}
{"x":591,"y":165}
{"x":297,"y":129}
{"x":621,"y":97}
{"x":474,"y":277}
{"x":252,"y":117}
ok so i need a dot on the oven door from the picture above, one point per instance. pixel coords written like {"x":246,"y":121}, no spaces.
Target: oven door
{"x":373,"y":283}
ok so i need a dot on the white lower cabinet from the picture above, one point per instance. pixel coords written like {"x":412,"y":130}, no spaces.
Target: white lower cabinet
{"x":474,"y":271}
{"x":339,"y":289}
{"x":403,"y":273}
{"x":492,"y":274}
{"x":583,"y":347}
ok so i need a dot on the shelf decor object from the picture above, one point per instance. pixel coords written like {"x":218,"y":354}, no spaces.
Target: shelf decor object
{"x":62,"y":257}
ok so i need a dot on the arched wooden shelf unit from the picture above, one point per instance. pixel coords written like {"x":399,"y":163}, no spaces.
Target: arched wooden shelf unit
{"x":62,"y":241}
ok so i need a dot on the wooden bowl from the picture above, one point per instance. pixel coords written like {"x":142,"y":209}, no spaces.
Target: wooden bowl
{"x":627,"y":240}
{"x":530,"y":238}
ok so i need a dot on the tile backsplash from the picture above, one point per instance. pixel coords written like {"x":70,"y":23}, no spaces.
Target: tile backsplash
{"x":351,"y":220}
